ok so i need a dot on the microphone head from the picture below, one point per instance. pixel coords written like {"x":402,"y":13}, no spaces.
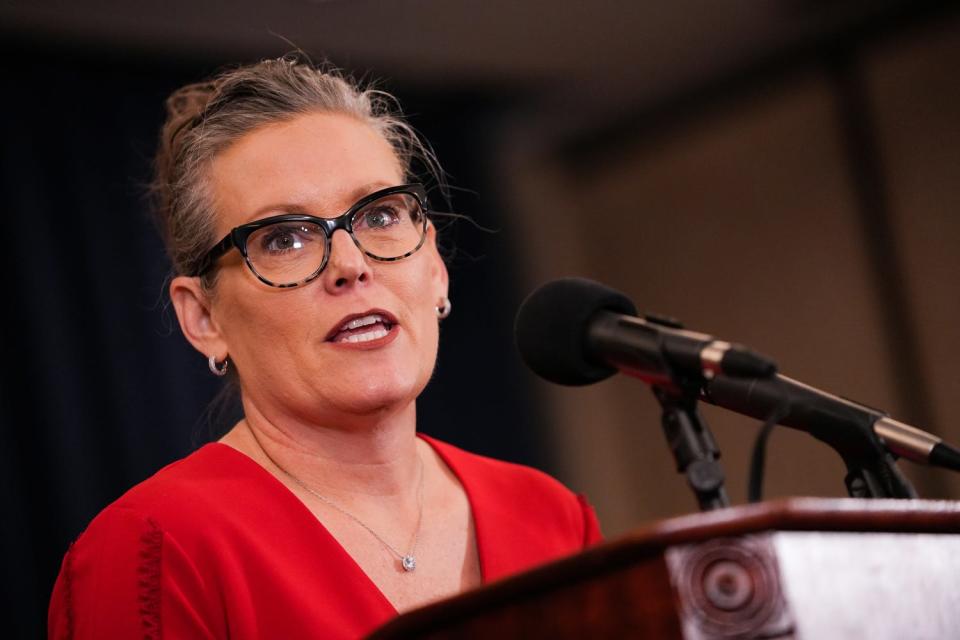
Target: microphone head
{"x":551,"y":329}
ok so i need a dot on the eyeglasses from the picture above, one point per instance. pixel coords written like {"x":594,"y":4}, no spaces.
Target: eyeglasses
{"x":292,"y":249}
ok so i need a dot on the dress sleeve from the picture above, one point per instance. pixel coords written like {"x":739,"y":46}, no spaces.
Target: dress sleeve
{"x":126,"y":577}
{"x":591,"y":527}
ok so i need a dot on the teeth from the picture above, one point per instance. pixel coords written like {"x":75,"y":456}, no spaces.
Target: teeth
{"x":366,"y":336}
{"x":356,"y":323}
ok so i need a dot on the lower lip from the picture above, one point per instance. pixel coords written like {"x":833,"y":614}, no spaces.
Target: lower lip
{"x":371,"y":344}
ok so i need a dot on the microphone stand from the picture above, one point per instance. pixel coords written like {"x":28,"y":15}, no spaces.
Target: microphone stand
{"x":877,"y":478}
{"x":871,"y":468}
{"x":842,"y":424}
{"x":692,"y":445}
{"x":871,"y":471}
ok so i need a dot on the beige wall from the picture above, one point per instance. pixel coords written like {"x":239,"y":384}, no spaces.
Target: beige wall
{"x":916,"y":93}
{"x":745,"y":224}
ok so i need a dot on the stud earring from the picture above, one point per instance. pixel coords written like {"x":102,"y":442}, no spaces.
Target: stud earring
{"x":444,"y":309}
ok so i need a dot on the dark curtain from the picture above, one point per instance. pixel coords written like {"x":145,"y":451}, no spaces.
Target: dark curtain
{"x":99,"y":388}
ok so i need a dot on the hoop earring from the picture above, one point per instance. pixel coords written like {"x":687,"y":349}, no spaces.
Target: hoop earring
{"x":215,"y":369}
{"x":444,"y":310}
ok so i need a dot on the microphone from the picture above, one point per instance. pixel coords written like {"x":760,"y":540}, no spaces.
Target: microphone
{"x":575,"y":331}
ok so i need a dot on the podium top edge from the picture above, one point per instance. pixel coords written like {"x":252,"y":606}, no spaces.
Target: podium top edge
{"x":806,"y":514}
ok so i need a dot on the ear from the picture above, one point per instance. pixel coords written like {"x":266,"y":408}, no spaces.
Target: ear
{"x":439,"y":273}
{"x":192,"y":304}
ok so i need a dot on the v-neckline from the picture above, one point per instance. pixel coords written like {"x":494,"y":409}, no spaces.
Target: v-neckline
{"x":363,"y":576}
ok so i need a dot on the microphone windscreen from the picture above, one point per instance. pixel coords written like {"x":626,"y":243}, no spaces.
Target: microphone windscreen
{"x":551,"y":329}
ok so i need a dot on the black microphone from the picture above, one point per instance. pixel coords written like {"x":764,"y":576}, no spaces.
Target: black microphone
{"x":576,"y":332}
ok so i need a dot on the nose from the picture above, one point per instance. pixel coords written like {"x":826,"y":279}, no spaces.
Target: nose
{"x":347,"y":266}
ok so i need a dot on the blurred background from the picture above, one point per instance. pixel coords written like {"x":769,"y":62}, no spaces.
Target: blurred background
{"x":783,"y":174}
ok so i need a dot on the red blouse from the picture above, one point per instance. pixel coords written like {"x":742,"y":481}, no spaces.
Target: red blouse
{"x":213,"y":546}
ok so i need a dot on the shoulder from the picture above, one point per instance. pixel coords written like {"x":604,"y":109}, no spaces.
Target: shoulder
{"x":529,"y":499}
{"x":170,"y":502}
{"x":185,"y":486}
{"x":199,"y":488}
{"x":499,"y":474}
{"x":111,"y":578}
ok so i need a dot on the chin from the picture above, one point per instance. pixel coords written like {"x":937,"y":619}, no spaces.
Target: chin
{"x":382,"y":393}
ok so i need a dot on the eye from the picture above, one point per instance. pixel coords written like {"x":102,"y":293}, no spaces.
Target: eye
{"x":379,"y":216}
{"x":283,"y":238}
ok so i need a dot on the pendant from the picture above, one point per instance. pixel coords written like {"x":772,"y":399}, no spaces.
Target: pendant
{"x":409,"y":563}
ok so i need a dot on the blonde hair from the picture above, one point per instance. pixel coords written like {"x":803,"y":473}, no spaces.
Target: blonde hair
{"x":205,"y":118}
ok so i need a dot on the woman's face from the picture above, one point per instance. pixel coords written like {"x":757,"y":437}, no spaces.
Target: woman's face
{"x":285,"y":342}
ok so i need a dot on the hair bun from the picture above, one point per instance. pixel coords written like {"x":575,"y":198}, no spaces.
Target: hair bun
{"x":191,"y":100}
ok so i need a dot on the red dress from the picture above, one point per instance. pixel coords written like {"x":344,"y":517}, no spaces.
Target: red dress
{"x":213,"y":546}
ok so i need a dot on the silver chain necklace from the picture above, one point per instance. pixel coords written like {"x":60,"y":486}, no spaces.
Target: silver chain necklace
{"x":407,"y":560}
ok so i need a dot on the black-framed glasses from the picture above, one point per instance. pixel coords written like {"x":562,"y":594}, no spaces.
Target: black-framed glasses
{"x":292,"y":249}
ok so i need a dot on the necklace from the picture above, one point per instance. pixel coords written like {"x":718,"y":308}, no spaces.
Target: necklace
{"x":407,"y":560}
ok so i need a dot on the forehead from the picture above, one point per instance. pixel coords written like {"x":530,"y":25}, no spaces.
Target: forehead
{"x":315,"y":162}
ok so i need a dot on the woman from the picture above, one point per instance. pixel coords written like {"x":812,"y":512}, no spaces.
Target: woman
{"x":309,"y":271}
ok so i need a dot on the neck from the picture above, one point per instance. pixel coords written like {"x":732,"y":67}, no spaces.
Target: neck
{"x":376,"y":459}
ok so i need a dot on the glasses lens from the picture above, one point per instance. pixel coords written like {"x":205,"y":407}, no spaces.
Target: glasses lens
{"x":390,"y":227}
{"x":285,"y":253}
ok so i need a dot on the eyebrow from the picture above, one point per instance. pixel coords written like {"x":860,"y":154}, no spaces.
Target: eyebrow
{"x":294,"y":207}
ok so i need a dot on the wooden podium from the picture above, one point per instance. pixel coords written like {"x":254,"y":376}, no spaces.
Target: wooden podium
{"x":800,"y":568}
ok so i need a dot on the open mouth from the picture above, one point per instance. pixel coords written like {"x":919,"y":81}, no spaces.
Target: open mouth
{"x":363,"y":328}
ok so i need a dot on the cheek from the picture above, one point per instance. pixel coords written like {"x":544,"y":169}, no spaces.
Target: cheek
{"x":415,"y":293}
{"x":422,"y":300}
{"x":430,"y":335}
{"x":257,"y":322}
